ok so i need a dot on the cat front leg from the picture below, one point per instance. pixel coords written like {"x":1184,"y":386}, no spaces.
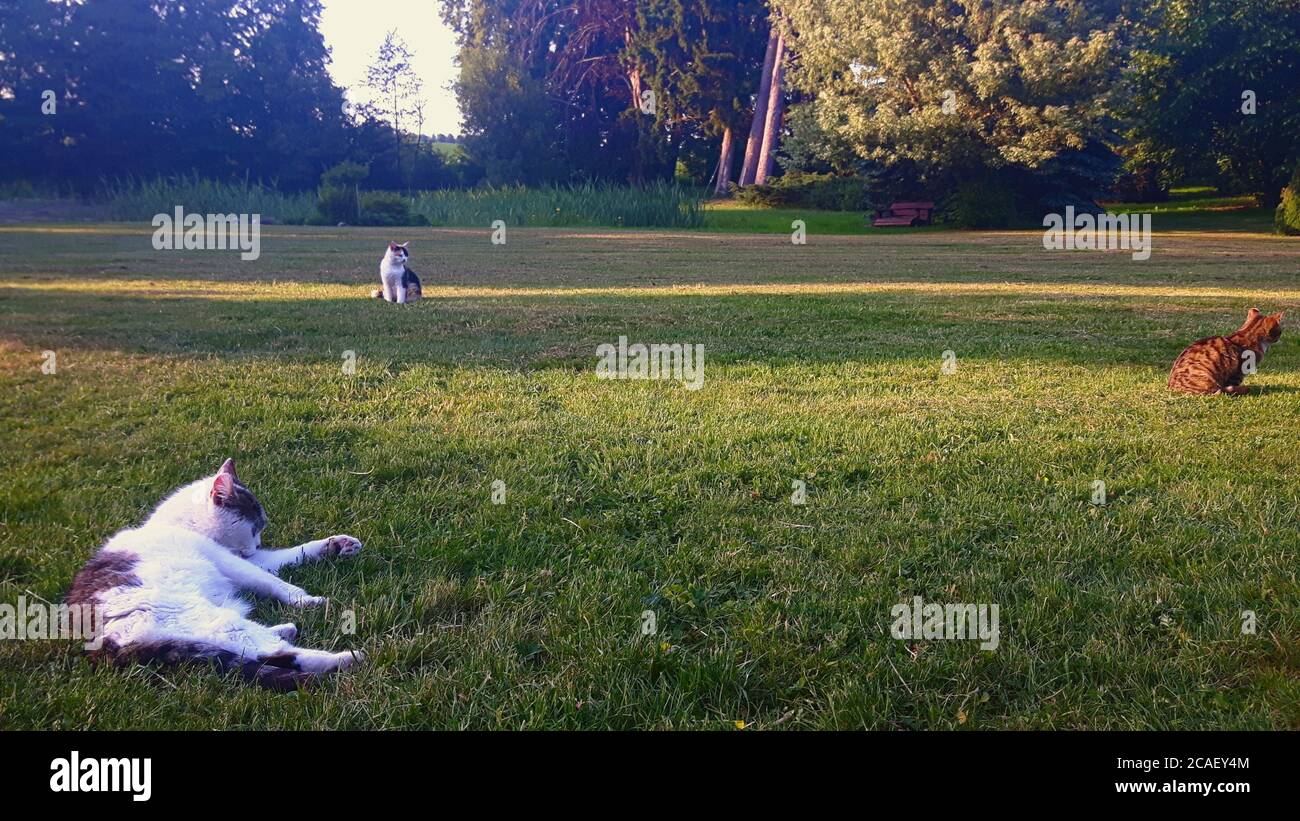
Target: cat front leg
{"x":401,"y":293}
{"x":248,"y":576}
{"x":272,"y":560}
{"x":323,"y":661}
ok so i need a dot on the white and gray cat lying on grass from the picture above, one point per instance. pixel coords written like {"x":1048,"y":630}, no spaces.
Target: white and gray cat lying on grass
{"x":168,"y":590}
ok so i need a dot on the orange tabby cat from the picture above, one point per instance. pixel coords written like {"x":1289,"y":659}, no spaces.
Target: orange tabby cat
{"x":1217,"y":364}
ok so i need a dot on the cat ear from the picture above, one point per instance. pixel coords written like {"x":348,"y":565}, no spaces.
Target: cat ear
{"x":1252,"y":315}
{"x":228,"y":466}
{"x":403,"y":244}
{"x":1278,"y":316}
{"x":222,"y":488}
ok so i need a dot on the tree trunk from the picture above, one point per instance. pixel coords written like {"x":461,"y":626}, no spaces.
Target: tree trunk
{"x":775,"y":108}
{"x":633,"y":74}
{"x":634,"y":80}
{"x":724,"y":164}
{"x":755,"y":143}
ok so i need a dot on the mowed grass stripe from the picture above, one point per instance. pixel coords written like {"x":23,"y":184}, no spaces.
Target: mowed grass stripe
{"x":256,"y":291}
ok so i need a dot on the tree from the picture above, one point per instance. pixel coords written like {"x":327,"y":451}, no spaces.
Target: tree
{"x":772,"y":117}
{"x":393,"y":81}
{"x":222,"y":88}
{"x":701,"y":58}
{"x":959,"y":88}
{"x":397,"y":87}
{"x":511,"y":127}
{"x":1214,"y":92}
{"x":546,"y":91}
{"x":761,"y":101}
{"x":294,"y":124}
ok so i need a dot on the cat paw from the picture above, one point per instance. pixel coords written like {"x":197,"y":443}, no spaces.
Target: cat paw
{"x":304,"y":600}
{"x":342,"y":546}
{"x":287,"y":631}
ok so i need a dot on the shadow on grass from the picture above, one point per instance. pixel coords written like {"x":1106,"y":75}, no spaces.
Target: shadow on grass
{"x":553,"y":332}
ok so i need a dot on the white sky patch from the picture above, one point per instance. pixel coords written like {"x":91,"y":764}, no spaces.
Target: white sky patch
{"x":354,"y":30}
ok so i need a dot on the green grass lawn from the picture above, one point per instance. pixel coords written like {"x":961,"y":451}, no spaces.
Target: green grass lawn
{"x":1194,"y":209}
{"x":823,"y":364}
{"x":1201,"y":208}
{"x":448,"y":150}
{"x":733,"y":216}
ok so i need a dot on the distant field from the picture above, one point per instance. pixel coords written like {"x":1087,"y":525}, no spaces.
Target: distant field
{"x":448,"y":149}
{"x":823,"y":364}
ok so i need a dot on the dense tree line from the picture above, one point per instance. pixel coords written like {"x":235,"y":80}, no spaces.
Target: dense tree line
{"x":620,"y":90}
{"x":1213,"y":93}
{"x":1045,"y":99}
{"x":220,"y":88}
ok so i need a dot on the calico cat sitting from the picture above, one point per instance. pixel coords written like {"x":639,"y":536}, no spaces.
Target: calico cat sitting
{"x":398,"y":283}
{"x":168,"y":590}
{"x":1217,"y":364}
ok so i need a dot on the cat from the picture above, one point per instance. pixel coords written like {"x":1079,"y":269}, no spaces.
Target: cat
{"x":399,"y":283}
{"x":1217,"y":364}
{"x":168,"y":590}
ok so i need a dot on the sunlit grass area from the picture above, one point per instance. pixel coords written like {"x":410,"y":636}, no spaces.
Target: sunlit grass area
{"x":1201,"y":208}
{"x":739,"y":217}
{"x":1193,"y":209}
{"x":823,"y":365}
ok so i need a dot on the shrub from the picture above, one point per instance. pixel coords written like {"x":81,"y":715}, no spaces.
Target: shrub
{"x":1287,"y":217}
{"x":387,"y":208}
{"x":796,"y":189}
{"x":338,"y":198}
{"x":1140,"y":185}
{"x":337,"y":205}
{"x":983,"y":203}
{"x":344,"y":175}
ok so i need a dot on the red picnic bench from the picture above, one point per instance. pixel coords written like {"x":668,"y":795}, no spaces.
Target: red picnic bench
{"x":903,"y":213}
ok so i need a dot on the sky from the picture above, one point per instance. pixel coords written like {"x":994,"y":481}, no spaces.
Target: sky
{"x":354,"y":30}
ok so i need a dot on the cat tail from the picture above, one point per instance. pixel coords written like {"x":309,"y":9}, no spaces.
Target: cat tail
{"x":277,"y":672}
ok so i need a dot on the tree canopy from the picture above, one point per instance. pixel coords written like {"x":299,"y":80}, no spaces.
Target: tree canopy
{"x":1044,"y":97}
{"x":955,"y":85}
{"x":219,"y":88}
{"x":1215,"y":92}
{"x":222,"y":88}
